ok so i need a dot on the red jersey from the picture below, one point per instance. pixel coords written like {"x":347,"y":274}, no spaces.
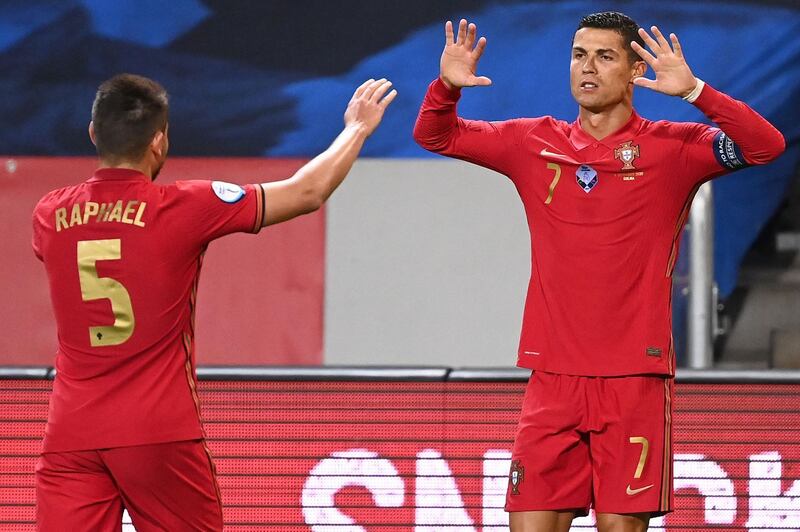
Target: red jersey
{"x":605,"y":219}
{"x":123,"y":257}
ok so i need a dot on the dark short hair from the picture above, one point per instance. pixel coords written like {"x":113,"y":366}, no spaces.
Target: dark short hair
{"x":624,"y":25}
{"x":127,"y":111}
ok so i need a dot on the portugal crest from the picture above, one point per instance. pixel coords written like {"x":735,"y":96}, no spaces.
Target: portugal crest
{"x":516,"y":477}
{"x":627,"y":153}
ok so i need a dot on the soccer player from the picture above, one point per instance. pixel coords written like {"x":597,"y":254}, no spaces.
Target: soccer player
{"x":606,"y":198}
{"x":123,"y":257}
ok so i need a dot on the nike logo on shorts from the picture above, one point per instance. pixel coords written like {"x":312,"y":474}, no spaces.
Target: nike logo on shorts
{"x":630,"y":491}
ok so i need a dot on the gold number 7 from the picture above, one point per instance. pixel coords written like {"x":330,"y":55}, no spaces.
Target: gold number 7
{"x":642,"y":457}
{"x":94,"y":287}
{"x":557,"y":168}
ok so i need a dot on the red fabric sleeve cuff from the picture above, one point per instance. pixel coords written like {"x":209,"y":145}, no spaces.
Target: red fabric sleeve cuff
{"x":708,"y":98}
{"x":441,"y":94}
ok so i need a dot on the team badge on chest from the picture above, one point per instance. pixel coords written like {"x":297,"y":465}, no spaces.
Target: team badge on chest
{"x":627,"y":153}
{"x":587,"y":177}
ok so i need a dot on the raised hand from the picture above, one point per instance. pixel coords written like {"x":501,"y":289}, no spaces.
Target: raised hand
{"x":460,"y":56}
{"x":673,"y":75}
{"x":368,"y":103}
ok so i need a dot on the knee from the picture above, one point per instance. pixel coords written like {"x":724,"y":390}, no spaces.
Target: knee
{"x":622,"y":522}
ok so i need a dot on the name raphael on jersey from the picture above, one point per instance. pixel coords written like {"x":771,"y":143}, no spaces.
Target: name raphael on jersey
{"x":82,"y":213}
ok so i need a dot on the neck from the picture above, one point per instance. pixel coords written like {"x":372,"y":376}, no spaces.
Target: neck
{"x":603,"y":123}
{"x":599,"y":123}
{"x":140,"y":166}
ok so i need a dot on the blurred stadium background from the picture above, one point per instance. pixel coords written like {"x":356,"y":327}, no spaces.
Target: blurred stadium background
{"x":417,"y":262}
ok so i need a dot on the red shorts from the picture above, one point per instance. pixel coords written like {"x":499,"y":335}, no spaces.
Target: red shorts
{"x":167,"y":486}
{"x":602,"y":442}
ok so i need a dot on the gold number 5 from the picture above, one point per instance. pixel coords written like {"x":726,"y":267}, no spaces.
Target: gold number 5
{"x":94,"y":287}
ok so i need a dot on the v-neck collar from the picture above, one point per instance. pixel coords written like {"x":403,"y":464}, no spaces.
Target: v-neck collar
{"x":581,"y":139}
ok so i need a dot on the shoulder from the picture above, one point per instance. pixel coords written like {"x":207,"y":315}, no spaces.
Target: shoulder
{"x":56,"y":198}
{"x":539,"y":124}
{"x":217,"y":191}
{"x":681,"y":131}
{"x":193,"y":186}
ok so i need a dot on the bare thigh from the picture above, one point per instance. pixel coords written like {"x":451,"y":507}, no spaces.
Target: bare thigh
{"x":622,"y":522}
{"x":541,"y":521}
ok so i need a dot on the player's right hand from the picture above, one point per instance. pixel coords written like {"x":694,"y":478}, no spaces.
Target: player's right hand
{"x":368,"y":103}
{"x":460,"y":56}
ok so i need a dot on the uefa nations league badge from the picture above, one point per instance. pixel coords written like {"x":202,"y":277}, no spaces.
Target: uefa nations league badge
{"x":227,"y":192}
{"x":587,"y":177}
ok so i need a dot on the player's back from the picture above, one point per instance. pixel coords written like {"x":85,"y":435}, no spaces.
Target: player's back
{"x":123,"y":257}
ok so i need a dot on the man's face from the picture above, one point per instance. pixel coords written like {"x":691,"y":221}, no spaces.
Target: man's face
{"x":600,"y":70}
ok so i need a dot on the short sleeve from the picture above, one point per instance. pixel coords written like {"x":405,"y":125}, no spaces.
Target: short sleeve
{"x":217,"y":208}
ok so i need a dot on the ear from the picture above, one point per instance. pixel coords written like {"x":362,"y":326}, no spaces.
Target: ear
{"x":639,"y":68}
{"x":157,"y":144}
{"x":91,"y":133}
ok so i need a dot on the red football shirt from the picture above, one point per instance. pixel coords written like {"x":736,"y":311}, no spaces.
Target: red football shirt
{"x":605,"y":219}
{"x":123,"y":257}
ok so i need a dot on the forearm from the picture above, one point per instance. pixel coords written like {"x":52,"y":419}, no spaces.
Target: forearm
{"x":440,"y":130}
{"x":437,"y":123}
{"x":759,"y":140}
{"x":325,"y":172}
{"x":313,"y":184}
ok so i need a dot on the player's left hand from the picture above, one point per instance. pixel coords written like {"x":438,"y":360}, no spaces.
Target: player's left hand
{"x":673,"y":75}
{"x":368,"y":104}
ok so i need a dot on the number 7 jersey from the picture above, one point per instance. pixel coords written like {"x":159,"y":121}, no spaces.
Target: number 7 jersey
{"x":605,"y":219}
{"x":123,"y":258}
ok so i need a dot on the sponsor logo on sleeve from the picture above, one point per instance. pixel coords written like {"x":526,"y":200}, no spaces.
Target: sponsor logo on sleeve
{"x":227,"y":192}
{"x":726,"y":151}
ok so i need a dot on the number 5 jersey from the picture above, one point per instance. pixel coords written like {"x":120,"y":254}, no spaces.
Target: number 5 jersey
{"x":123,"y":258}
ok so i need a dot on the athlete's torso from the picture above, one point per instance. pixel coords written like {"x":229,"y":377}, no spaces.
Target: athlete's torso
{"x":605,"y":219}
{"x":123,"y":257}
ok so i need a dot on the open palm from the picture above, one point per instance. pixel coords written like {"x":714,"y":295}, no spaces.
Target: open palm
{"x":460,"y":56}
{"x":673,"y":75}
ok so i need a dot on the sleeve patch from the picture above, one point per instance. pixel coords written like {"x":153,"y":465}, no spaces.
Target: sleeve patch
{"x":728,"y":154}
{"x":227,"y":192}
